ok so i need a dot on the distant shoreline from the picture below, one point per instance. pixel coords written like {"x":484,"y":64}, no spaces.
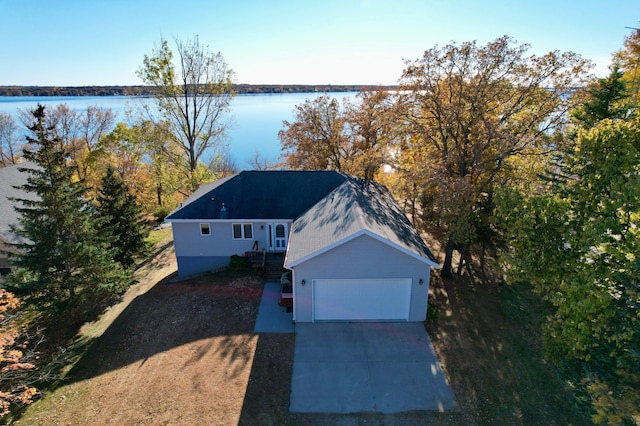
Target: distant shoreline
{"x":147,"y":91}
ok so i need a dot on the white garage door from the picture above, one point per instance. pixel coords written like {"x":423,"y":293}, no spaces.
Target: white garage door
{"x":361,"y":299}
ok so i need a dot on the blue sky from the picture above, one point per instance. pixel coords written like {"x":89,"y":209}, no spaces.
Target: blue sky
{"x":102,"y":42}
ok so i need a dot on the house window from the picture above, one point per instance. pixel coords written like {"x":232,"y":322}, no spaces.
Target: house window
{"x":248,"y":230}
{"x":242,"y":231}
{"x":205,"y":229}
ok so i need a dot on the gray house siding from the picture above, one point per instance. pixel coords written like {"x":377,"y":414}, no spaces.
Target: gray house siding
{"x":362,"y":257}
{"x":196,"y":253}
{"x":191,"y":265}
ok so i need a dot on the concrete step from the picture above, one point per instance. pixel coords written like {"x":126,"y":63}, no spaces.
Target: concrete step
{"x":274,"y":276}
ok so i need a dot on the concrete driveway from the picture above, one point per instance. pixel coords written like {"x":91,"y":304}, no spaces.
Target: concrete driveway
{"x":366,"y":367}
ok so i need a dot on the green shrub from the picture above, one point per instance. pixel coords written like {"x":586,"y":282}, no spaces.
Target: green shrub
{"x":237,"y":262}
{"x":432,"y":311}
{"x":161,"y":213}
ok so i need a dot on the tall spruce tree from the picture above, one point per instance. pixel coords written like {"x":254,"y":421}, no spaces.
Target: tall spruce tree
{"x":66,"y":259}
{"x":121,"y":217}
{"x":607,"y":98}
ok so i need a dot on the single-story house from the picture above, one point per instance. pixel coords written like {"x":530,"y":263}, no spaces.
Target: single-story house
{"x":352,"y":252}
{"x":11,"y":179}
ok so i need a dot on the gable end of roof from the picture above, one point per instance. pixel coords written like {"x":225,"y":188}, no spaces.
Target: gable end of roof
{"x":352,"y":237}
{"x":356,"y":205}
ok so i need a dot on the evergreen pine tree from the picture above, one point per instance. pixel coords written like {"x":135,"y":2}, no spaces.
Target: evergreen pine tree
{"x":121,"y":217}
{"x":62,"y":252}
{"x":607,"y":98}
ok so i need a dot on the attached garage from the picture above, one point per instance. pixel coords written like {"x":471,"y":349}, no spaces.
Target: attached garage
{"x":355,"y":256}
{"x":362,"y":279}
{"x":361,"y":299}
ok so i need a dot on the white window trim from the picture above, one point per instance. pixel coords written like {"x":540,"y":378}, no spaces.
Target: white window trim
{"x":208,"y":227}
{"x":242,"y":225}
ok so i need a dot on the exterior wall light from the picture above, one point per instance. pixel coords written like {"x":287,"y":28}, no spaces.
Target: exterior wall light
{"x":303,"y":282}
{"x":420,"y":281}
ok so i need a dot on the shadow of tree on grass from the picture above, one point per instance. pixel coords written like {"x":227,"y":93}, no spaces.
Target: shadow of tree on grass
{"x":488,"y":337}
{"x":170,"y":315}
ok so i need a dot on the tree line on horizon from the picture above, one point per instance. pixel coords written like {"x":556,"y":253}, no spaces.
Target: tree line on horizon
{"x":242,"y":89}
{"x":522,"y":165}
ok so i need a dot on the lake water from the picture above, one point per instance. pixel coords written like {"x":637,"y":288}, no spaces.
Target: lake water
{"x":256,"y":119}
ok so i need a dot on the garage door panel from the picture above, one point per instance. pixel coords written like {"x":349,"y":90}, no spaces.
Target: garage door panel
{"x":361,"y":299}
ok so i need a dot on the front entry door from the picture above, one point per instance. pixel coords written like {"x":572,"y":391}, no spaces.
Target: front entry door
{"x":278,"y":235}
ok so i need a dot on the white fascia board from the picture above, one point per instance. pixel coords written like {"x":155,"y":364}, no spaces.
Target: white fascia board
{"x":356,"y":235}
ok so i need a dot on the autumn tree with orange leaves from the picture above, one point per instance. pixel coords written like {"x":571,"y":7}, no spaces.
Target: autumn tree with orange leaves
{"x":354,"y":137}
{"x":17,"y":358}
{"x":470,"y":111}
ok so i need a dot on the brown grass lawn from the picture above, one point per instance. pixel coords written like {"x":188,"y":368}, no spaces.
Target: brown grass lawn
{"x":185,"y":353}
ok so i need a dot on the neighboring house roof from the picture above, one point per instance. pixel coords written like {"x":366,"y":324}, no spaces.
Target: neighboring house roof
{"x":259,"y":195}
{"x":357,"y":207}
{"x":10,"y":178}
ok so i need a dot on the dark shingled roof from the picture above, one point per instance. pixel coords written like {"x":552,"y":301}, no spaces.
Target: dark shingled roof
{"x":259,"y":195}
{"x":354,"y":207}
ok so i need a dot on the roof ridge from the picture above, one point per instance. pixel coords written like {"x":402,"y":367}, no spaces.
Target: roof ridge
{"x":349,"y":183}
{"x":354,"y":181}
{"x":358,"y":186}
